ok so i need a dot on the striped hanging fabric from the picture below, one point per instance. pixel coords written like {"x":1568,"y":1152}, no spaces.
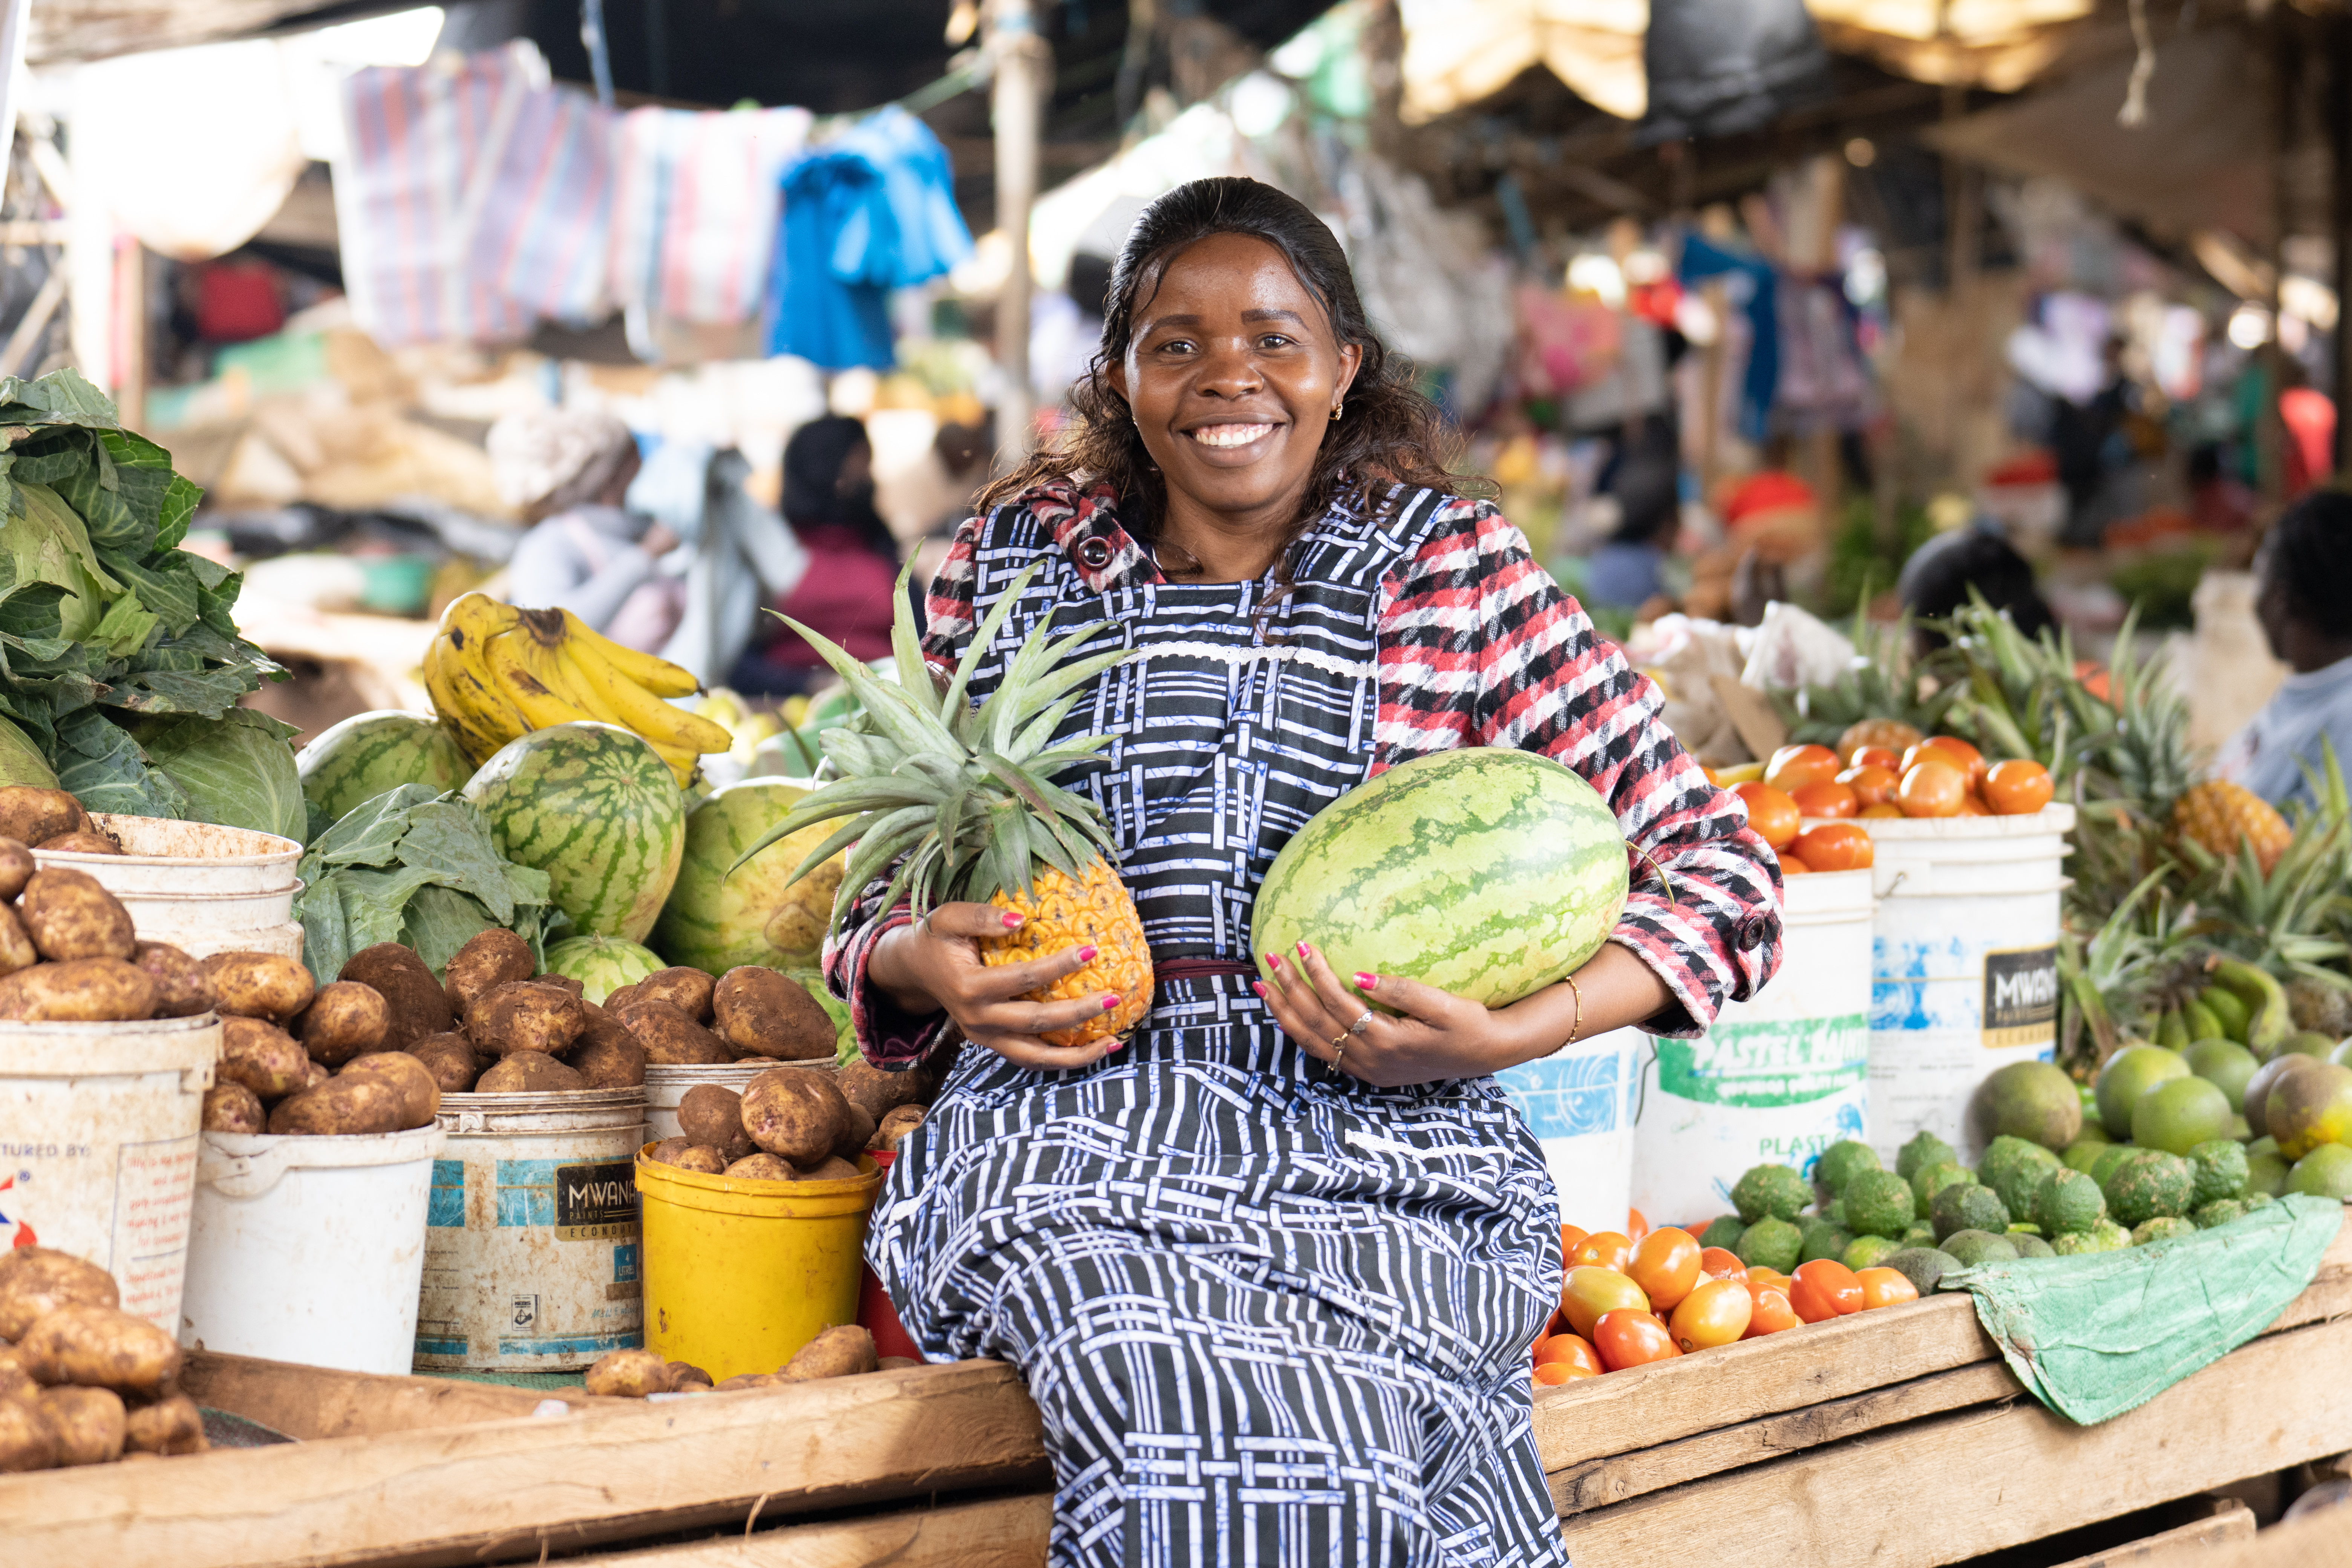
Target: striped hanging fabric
{"x":694,"y":216}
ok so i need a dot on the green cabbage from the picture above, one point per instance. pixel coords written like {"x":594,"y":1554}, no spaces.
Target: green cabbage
{"x":236,"y":770}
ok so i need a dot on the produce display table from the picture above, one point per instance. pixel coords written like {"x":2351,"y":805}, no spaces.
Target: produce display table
{"x":1835,"y":1441}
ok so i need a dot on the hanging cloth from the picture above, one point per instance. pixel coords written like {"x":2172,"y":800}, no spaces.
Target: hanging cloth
{"x":1703,"y":259}
{"x":694,"y":210}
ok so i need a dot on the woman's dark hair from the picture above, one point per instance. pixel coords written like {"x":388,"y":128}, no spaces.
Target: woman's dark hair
{"x":1942,"y":573}
{"x":2309,"y":556}
{"x":813,"y":458}
{"x":1391,"y":434}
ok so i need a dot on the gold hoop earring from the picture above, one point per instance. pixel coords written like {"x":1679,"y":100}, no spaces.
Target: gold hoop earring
{"x":1338,"y":408}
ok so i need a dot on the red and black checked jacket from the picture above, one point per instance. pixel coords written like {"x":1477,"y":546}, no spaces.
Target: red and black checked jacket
{"x":1478,"y":647}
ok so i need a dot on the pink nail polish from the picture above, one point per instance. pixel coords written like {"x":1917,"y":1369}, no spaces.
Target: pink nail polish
{"x":1258,"y":987}
{"x":1116,"y":1046}
{"x":1367,"y":982}
{"x":1087,"y":954}
{"x":1110,"y":1003}
{"x":1012,"y":920}
{"x":1303,"y":949}
{"x":1274,"y":962}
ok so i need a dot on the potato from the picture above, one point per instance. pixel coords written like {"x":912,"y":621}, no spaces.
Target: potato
{"x":671,"y":1039}
{"x":80,"y":990}
{"x":16,"y":867}
{"x":85,"y":843}
{"x":629,"y":1374}
{"x":763,"y":1014}
{"x":664,"y":1152}
{"x":832,"y":1168}
{"x":529,"y":1072}
{"x":257,"y":985}
{"x":685,"y":1374}
{"x":842,"y":1351}
{"x":877,"y":1092}
{"x":180,"y":989}
{"x":564,"y":983}
{"x":344,"y":1020}
{"x":618,"y":997}
{"x":687,"y":990}
{"x":858,"y":1130}
{"x":28,"y":1441}
{"x":101,"y":1347}
{"x":795,"y":1113}
{"x":743,"y":1380}
{"x":489,"y":960}
{"x":525,"y":1015}
{"x":712,"y":1113}
{"x":232,"y":1107}
{"x":16,"y":949}
{"x":32,"y":816}
{"x":36,"y":1280}
{"x":699,"y":1157}
{"x":894,"y":1128}
{"x":341,"y":1108}
{"x":313,"y":1075}
{"x":87,"y":1422}
{"x":68,"y":915}
{"x":897,"y":1363}
{"x":608,"y":1056}
{"x":450,"y":1059}
{"x":173,"y":1426}
{"x":262,"y":1057}
{"x":419,"y":1006}
{"x":763,"y":1168}
{"x":16,"y":1381}
{"x":420,"y":1092}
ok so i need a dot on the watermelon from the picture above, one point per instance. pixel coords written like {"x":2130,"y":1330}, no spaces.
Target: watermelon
{"x":369,"y":754}
{"x":601,"y":964}
{"x":596,"y":808}
{"x":1484,"y":872}
{"x":715,"y":921}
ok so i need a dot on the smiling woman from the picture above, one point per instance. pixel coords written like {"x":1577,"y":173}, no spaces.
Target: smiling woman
{"x":1272,"y":1264}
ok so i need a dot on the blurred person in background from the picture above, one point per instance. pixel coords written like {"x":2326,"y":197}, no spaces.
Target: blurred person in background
{"x":567,"y":471}
{"x":846,"y":594}
{"x":1942,"y":573}
{"x":1624,"y":569}
{"x":2305,"y":604}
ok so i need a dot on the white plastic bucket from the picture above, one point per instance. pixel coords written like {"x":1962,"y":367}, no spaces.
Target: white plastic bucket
{"x":531,"y":1254}
{"x":98,"y":1147}
{"x":1577,"y":1102}
{"x":1964,"y":968}
{"x":203,"y":887}
{"x":665,"y":1086}
{"x":309,"y":1249}
{"x":1778,"y":1078}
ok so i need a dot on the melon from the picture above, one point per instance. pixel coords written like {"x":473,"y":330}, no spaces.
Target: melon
{"x":601,"y":964}
{"x":715,"y":921}
{"x":1484,"y":872}
{"x":595,"y":807}
{"x":369,"y":754}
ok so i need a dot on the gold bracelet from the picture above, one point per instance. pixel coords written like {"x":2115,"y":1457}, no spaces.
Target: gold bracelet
{"x":1576,"y":1027}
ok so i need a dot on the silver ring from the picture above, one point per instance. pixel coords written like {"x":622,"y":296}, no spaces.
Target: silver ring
{"x":1361,"y":1024}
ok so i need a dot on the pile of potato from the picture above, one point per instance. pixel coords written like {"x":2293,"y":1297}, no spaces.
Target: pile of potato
{"x":301,"y":1057}
{"x":843,"y":1351}
{"x":81,"y":1380}
{"x":52,"y":819}
{"x":793,"y":1124}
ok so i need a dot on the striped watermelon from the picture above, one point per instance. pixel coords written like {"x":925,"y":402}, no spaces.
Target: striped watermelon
{"x":595,"y":807}
{"x":369,"y":754}
{"x":601,"y":964}
{"x":1485,"y":872}
{"x":716,"y":921}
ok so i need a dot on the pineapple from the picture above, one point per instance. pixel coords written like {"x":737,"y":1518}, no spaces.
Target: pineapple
{"x":2220,"y":816}
{"x":953,"y":802}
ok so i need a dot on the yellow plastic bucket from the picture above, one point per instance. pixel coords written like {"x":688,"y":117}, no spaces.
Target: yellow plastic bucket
{"x":740,"y":1274}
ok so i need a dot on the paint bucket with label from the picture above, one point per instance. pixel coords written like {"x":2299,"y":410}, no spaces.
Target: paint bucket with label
{"x":1777,"y":1079}
{"x":531,"y":1250}
{"x":1964,"y":966}
{"x":1577,"y":1102}
{"x":667,"y":1085}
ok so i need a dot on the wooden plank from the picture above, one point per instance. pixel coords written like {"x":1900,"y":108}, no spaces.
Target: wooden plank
{"x":2315,"y":1541}
{"x":994,"y":1532}
{"x":2014,"y":1473}
{"x":2234,"y":1522}
{"x":518,"y":1488}
{"x":1599,"y":1483}
{"x":314,"y":1402}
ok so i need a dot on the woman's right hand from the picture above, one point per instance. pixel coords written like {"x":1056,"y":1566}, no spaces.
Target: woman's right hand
{"x":934,"y":964}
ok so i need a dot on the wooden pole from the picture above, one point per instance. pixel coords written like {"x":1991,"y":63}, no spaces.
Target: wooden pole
{"x":1024,"y":67}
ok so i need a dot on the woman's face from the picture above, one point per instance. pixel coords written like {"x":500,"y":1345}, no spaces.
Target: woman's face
{"x":1231,"y":374}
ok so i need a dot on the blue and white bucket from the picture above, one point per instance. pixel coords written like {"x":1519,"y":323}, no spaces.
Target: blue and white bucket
{"x":1578,"y":1103}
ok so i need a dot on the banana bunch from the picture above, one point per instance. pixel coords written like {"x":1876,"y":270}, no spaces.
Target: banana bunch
{"x":2242,"y":1003}
{"x":496,"y":672}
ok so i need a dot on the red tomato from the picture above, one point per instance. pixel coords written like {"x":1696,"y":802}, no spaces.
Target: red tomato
{"x":1716,"y":1313}
{"x":1967,"y":758}
{"x":1593,"y":1290}
{"x":1885,"y":757}
{"x":1792,"y":865}
{"x":1825,"y":1288}
{"x":1553,"y":1373}
{"x":1605,"y":1247}
{"x":1872,"y":784}
{"x":1771,"y":1313}
{"x":1666,"y":1266}
{"x":1573,"y":1348}
{"x":1888,"y":808}
{"x":1770,"y":813}
{"x":1836,"y":846}
{"x":1721,"y":1263}
{"x":1831,"y":799}
{"x":1637,"y":1225}
{"x":1569,"y":1235}
{"x":1885,"y":1288}
{"x":2017,"y":787}
{"x":1793,"y":767}
{"x":1627,"y":1338}
{"x":1932,"y":787}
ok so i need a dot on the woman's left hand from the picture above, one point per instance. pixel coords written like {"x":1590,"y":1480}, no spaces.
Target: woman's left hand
{"x":1439,"y":1035}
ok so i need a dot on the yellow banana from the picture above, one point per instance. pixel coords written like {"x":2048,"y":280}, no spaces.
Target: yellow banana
{"x":626,"y":702}
{"x":657,"y":675}
{"x":525,"y":674}
{"x":479,"y":718}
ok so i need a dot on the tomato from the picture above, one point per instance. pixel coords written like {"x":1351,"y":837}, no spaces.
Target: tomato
{"x":1973,"y":804}
{"x":1825,"y":1288}
{"x":1759,"y":1275}
{"x":1573,"y":1348}
{"x":1628,"y":1338}
{"x":1552,"y":1374}
{"x":1721,"y":1263}
{"x":1716,"y":1313}
{"x":1772,"y":1312}
{"x":1770,"y":813}
{"x":1666,"y":1266}
{"x":1637,"y":1225}
{"x":1885,"y":1288}
{"x":1872,"y":784}
{"x":1569,"y":1235}
{"x":1888,"y":808}
{"x":1591,"y":1290}
{"x":1792,"y":865}
{"x":2017,"y":787}
{"x":1885,"y":757}
{"x":1836,"y":846}
{"x":1793,"y":767}
{"x":1605,"y":1247}
{"x":1932,"y":787}
{"x":1832,"y":799}
{"x":1959,"y":753}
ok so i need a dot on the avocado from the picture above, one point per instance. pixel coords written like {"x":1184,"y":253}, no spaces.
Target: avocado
{"x":1771,"y":1190}
{"x":1773,"y":1242}
{"x":1923,"y":1265}
{"x":2030,"y":1245}
{"x":1965,"y":1206}
{"x":1975,"y":1247}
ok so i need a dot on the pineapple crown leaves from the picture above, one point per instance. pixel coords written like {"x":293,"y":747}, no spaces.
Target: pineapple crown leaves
{"x":958,"y":796}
